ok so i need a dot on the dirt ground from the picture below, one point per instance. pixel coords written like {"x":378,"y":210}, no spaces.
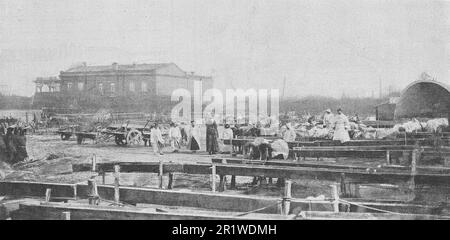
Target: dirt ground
{"x":51,"y":159}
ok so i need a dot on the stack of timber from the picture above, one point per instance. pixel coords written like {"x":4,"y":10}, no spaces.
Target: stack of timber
{"x":24,"y":200}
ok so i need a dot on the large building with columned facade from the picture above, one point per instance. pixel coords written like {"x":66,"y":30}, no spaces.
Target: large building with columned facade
{"x":135,"y":86}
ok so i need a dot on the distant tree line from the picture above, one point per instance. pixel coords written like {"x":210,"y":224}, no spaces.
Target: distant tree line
{"x":15,"y":102}
{"x":318,"y":104}
{"x":311,"y":104}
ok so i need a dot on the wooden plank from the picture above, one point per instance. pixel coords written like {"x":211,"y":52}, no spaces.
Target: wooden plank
{"x":334,"y":153}
{"x":134,"y":195}
{"x":400,"y":207}
{"x":366,"y":216}
{"x":125,"y":167}
{"x":289,"y":163}
{"x":23,"y":188}
{"x":227,"y":202}
{"x":369,"y":142}
{"x":207,"y":200}
{"x":358,"y":148}
{"x":9,"y":206}
{"x":421,"y":169}
{"x":331,"y":174}
{"x":298,"y":172}
{"x":373,"y":148}
{"x":53,"y":211}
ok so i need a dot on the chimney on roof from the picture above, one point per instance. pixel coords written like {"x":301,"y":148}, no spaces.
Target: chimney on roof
{"x":115,"y":66}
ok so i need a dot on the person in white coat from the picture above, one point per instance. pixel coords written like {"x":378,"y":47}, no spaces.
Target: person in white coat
{"x":193,"y":137}
{"x":174,"y":137}
{"x":341,"y":126}
{"x":328,"y":119}
{"x":289,"y":134}
{"x":157,"y":140}
{"x":227,"y":135}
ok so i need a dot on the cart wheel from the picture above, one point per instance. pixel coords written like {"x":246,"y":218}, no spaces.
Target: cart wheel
{"x":65,"y":137}
{"x":120,"y":140}
{"x":134,"y":137}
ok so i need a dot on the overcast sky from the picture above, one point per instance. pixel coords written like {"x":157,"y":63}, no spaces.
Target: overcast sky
{"x":320,"y":47}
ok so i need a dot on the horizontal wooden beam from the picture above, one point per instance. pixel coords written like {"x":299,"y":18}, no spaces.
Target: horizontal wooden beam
{"x":373,"y":148}
{"x":366,"y":216}
{"x":358,"y":175}
{"x":313,"y":164}
{"x":53,"y":211}
{"x":133,"y":196}
{"x":203,"y":200}
{"x":357,"y":148}
{"x":206,"y":200}
{"x":37,"y":189}
{"x":369,"y":142}
{"x":318,"y":164}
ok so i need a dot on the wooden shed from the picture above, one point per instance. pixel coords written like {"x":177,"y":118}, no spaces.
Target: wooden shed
{"x":424,"y":98}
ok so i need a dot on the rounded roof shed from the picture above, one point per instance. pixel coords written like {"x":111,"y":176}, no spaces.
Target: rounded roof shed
{"x":424,"y":98}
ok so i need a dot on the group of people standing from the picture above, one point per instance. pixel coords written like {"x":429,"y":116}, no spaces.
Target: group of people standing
{"x":339,"y":123}
{"x":190,"y":136}
{"x":12,"y":143}
{"x":178,"y":136}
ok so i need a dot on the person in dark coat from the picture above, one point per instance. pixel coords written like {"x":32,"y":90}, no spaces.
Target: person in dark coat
{"x":20,"y":142}
{"x":212,"y":135}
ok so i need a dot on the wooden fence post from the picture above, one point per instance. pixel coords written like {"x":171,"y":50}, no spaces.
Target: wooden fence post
{"x":413,"y":169}
{"x":161,"y":173}
{"x":213,"y":176}
{"x":103,"y":174}
{"x":169,"y":185}
{"x":343,"y":185}
{"x":388,"y":157}
{"x":233,"y":182}
{"x":286,"y":202}
{"x":48,"y":193}
{"x":335,"y":195}
{"x":94,"y":163}
{"x":65,"y":216}
{"x":222,"y":183}
{"x":116,"y":184}
{"x":93,"y":192}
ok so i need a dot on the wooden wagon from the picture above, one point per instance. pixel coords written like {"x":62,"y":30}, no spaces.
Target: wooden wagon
{"x":127,"y":134}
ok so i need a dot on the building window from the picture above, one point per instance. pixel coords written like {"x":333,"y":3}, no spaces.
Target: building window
{"x":100,"y":88}
{"x":113,"y":87}
{"x":144,"y":87}
{"x":132,"y":86}
{"x":80,"y":86}
{"x":69,"y":85}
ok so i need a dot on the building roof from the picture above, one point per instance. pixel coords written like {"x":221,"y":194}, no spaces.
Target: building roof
{"x":47,"y":79}
{"x":424,"y":98}
{"x":120,"y":67}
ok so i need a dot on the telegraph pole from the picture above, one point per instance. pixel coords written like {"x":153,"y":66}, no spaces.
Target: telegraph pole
{"x":381,"y":91}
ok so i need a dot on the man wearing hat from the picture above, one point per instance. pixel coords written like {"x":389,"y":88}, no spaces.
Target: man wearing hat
{"x":328,"y":119}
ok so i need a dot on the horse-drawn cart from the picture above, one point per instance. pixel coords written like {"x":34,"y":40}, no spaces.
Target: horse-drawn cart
{"x":123,"y":134}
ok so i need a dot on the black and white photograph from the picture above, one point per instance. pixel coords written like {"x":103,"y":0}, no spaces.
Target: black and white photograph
{"x":224,"y":110}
